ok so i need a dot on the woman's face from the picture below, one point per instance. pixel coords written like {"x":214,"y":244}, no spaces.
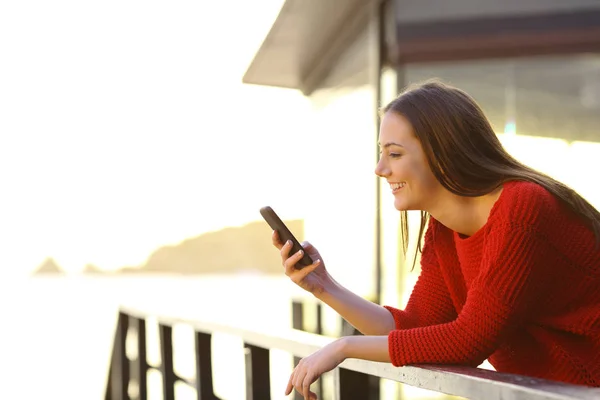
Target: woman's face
{"x":404,"y":165}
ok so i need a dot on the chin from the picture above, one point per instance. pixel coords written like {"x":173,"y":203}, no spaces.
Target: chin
{"x":401,"y":206}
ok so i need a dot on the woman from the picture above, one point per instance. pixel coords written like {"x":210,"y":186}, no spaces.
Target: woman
{"x":510,"y":267}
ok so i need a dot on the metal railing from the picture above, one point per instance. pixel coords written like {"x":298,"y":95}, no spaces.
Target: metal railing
{"x":351,"y":378}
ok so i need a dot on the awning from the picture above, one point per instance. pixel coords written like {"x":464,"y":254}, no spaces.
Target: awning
{"x":304,"y":41}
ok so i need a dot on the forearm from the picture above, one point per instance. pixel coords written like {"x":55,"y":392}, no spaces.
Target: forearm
{"x":371,"y":348}
{"x":369,"y":318}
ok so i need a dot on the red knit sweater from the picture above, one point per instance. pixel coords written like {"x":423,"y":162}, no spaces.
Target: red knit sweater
{"x":522,"y":292}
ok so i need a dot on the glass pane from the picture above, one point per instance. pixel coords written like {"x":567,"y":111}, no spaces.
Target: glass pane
{"x":557,"y":97}
{"x":550,"y":104}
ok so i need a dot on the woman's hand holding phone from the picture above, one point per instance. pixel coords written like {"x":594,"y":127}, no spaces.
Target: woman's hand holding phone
{"x":312,"y":278}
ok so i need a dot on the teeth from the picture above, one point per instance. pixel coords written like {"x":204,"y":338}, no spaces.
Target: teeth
{"x":395,"y":186}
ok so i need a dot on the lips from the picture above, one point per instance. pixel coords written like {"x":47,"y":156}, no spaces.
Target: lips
{"x":396,"y":186}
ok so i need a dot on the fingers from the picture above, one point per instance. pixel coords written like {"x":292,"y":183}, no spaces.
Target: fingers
{"x":285,"y":250}
{"x":275,"y":239}
{"x":301,"y":379}
{"x":292,"y":260}
{"x":307,"y":270}
{"x":306,"y":387}
{"x":290,"y":385}
{"x":298,"y":379}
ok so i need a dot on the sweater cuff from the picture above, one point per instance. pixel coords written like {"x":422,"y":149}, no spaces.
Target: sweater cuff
{"x":393,"y":344}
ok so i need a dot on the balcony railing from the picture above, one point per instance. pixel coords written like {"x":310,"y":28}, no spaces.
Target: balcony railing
{"x":352,"y":379}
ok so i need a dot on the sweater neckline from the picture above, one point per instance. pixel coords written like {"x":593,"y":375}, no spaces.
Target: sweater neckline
{"x":481,"y":231}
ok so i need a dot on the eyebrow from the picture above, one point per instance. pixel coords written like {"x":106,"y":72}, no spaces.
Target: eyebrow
{"x":385,"y":146}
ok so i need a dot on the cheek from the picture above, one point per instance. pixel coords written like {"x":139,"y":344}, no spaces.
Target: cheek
{"x":423,"y":177}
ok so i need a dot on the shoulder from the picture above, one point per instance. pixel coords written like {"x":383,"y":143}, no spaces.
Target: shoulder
{"x":527,"y":203}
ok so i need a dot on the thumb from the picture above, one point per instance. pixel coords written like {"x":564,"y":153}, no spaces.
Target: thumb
{"x":307,"y":270}
{"x":307,"y":246}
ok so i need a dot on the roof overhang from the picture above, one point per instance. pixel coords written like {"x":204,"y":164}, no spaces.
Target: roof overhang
{"x":308,"y":36}
{"x":304,"y":41}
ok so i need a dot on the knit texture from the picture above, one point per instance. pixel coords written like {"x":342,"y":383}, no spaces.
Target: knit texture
{"x":522,"y":292}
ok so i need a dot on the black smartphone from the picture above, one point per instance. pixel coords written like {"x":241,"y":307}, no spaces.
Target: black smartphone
{"x":284,"y":235}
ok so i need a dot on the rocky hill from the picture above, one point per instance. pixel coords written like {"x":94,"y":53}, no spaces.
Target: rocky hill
{"x":230,"y":250}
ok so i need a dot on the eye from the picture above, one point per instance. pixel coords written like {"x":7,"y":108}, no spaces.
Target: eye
{"x":395,"y":155}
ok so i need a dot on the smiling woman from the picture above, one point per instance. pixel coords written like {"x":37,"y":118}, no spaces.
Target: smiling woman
{"x":502,"y":242}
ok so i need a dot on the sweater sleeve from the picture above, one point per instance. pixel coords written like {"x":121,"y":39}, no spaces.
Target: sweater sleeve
{"x":429,"y":302}
{"x":503,"y":294}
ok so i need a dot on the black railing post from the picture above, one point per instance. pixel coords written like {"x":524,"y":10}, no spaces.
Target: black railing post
{"x":319,"y":321}
{"x":119,"y":369}
{"x":354,"y":385}
{"x":258,"y":380}
{"x":109,"y":383}
{"x":204,"y":378}
{"x":297,"y":315}
{"x":141,"y":364}
{"x":355,"y":382}
{"x":166,"y":362}
{"x":297,"y":323}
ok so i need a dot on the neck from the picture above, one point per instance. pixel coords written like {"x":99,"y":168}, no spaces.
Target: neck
{"x":464,"y":215}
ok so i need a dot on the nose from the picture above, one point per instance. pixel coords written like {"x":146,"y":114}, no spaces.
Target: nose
{"x":381,"y":169}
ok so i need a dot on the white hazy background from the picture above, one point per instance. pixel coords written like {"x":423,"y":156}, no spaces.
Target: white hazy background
{"x":124,"y":126}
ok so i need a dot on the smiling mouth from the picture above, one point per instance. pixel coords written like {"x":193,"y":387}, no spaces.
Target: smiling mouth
{"x":397,"y":186}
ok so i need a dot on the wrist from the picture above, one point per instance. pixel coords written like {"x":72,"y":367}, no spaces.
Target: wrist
{"x":328,"y":289}
{"x":345,"y":344}
{"x":371,"y":348}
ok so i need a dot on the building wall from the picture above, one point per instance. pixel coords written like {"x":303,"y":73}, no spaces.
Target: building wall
{"x":341,"y":219}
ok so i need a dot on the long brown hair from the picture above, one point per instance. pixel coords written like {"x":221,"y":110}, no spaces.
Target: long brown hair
{"x":464,"y":153}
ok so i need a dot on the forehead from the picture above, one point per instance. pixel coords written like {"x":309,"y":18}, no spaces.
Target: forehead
{"x":395,"y":128}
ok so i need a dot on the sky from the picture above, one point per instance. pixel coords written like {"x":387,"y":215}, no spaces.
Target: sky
{"x":124,"y":126}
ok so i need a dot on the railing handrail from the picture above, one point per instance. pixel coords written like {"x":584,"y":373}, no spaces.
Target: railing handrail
{"x":454,"y":380}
